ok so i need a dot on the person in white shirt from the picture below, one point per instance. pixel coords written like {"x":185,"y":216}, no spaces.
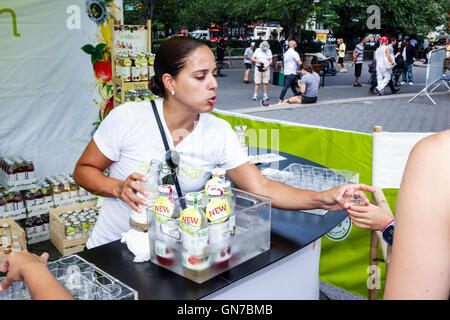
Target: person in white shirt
{"x":263,"y":59}
{"x":291,"y":62}
{"x":129,"y":138}
{"x":385,"y":62}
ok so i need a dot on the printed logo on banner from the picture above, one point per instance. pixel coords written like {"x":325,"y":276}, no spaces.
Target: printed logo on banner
{"x":13,"y":17}
{"x":341,"y":231}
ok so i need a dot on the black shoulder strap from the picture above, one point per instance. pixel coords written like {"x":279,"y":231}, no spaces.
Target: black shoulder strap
{"x":160,"y":126}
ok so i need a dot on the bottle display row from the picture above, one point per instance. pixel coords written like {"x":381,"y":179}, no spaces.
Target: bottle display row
{"x":47,"y":192}
{"x":133,"y":67}
{"x":134,"y":95}
{"x":35,"y":225}
{"x":15,"y":169}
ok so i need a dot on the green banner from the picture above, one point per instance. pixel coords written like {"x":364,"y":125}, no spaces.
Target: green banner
{"x":344,"y":261}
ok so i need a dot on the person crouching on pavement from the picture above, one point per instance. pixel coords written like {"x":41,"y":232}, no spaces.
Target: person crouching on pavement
{"x":308,"y":85}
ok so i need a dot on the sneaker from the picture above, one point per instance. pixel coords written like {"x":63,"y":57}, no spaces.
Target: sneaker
{"x":266,"y":97}
{"x":395,"y":90}
{"x":255,"y":96}
{"x":402,"y":83}
{"x":378,"y":92}
{"x":372,"y":92}
{"x":280,"y":101}
{"x":357,"y":84}
{"x":410,"y":83}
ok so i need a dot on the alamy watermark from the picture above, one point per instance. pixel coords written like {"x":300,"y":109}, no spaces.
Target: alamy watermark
{"x":374,"y":20}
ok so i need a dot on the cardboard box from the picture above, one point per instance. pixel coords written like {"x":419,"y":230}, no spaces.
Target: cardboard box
{"x":57,"y":230}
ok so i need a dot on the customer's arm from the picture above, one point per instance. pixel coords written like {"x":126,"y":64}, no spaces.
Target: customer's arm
{"x":88,"y":173}
{"x":420,"y":265}
{"x":249,"y":177}
{"x":28,"y":267}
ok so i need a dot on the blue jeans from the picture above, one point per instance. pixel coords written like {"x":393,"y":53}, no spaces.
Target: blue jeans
{"x":407,"y":69}
{"x":289,"y":81}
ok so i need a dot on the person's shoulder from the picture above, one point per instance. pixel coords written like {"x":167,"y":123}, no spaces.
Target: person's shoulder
{"x":438,"y":142}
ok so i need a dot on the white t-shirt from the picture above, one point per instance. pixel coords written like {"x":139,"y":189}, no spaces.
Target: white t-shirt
{"x":290,"y":61}
{"x":263,"y":56}
{"x":130,"y":137}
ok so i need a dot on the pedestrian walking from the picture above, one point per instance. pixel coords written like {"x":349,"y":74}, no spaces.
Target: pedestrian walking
{"x":341,"y":55}
{"x":358,"y":55}
{"x":248,"y":54}
{"x":384,"y":62}
{"x":291,"y":61}
{"x":409,"y":53}
{"x":221,"y":47}
{"x":262,"y":59}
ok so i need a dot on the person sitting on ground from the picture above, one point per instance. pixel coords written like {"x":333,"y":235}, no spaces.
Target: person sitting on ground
{"x":330,"y":68}
{"x":309,"y":87}
{"x":32,"y":269}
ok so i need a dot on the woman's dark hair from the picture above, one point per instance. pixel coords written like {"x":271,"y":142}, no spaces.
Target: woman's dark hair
{"x":171,"y":58}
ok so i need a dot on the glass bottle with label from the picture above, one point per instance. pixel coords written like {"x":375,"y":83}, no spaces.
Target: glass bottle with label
{"x":163,"y":210}
{"x":38,"y":225}
{"x":73,"y":188}
{"x":46,"y":222}
{"x":144,"y":67}
{"x":29,"y":227}
{"x":16,"y":246}
{"x":139,"y":220}
{"x":77,"y":226}
{"x":135,"y":68}
{"x":3,"y":203}
{"x":227,"y":195}
{"x":70,"y":231}
{"x":193,"y":222}
{"x":218,"y":213}
{"x":6,"y":238}
{"x":216,"y":175}
{"x":126,"y":71}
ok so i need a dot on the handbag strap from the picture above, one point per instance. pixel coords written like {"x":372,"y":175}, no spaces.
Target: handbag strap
{"x":166,"y":145}
{"x":160,"y":126}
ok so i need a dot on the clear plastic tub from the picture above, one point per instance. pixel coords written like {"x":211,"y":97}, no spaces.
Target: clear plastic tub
{"x":82,"y":279}
{"x":251,"y":219}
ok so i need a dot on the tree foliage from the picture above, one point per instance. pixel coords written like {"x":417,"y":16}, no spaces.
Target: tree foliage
{"x":346,"y":17}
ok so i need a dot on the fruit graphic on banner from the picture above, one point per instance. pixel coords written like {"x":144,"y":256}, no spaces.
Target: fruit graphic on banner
{"x":101,"y":12}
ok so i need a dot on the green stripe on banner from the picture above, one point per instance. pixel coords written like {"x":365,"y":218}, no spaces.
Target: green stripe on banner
{"x":345,"y":255}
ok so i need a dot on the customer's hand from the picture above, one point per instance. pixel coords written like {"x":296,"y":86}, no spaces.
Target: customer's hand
{"x":369,"y":217}
{"x":17,"y":263}
{"x":130,"y":187}
{"x":340,"y":198}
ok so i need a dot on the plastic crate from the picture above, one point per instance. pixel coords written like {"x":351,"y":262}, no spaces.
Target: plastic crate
{"x":252,"y":216}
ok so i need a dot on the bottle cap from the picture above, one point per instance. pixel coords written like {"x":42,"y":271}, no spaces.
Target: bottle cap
{"x":218,"y":172}
{"x":191,"y":196}
{"x":166,"y":188}
{"x":223,"y":184}
{"x":215,"y":191}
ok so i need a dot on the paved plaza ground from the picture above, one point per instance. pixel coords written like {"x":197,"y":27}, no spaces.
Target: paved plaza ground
{"x":340,"y":106}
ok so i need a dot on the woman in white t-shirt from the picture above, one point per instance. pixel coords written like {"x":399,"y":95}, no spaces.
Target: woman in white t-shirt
{"x":129,"y":138}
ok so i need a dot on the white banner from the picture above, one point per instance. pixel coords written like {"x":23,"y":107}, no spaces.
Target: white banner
{"x":49,"y":94}
{"x":390,"y":153}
